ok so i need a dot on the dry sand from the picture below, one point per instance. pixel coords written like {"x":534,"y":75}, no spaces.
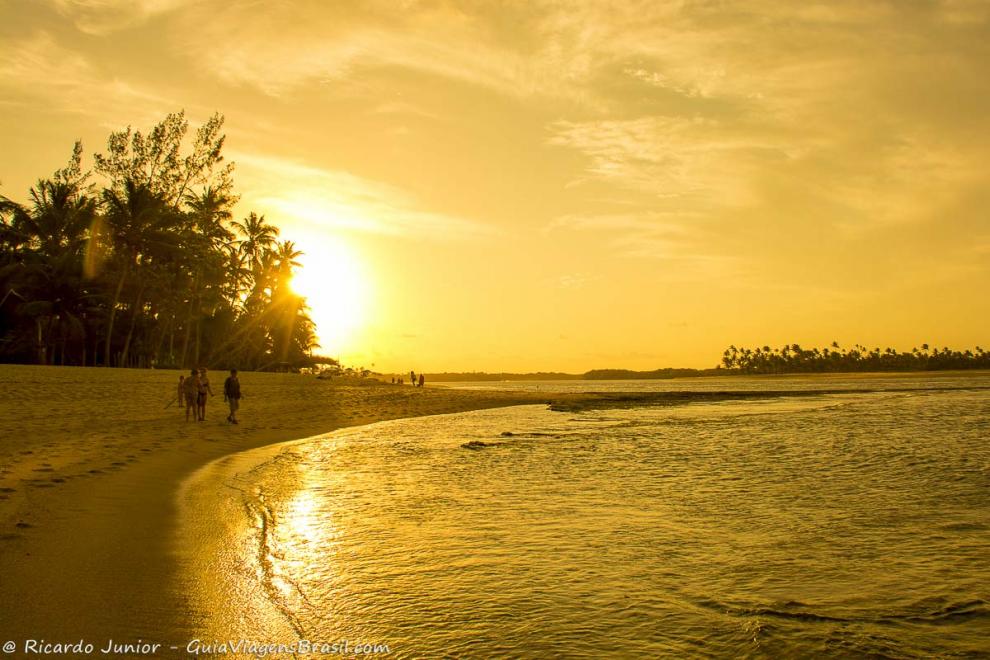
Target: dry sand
{"x":89,"y":466}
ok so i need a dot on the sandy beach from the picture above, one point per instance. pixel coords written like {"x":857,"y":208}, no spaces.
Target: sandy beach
{"x":94,"y":461}
{"x":91,"y":461}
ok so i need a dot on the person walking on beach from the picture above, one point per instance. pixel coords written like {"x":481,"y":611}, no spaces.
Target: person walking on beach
{"x":422,"y":379}
{"x":190,"y":393}
{"x":412,"y":378}
{"x":232,"y":395}
{"x":204,"y":389}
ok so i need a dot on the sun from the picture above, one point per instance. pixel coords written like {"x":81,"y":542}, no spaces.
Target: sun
{"x":332,"y":280}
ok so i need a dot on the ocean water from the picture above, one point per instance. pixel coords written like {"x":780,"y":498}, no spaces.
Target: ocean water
{"x":837,"y":525}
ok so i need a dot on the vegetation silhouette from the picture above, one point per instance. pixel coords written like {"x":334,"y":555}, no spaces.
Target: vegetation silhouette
{"x":792,"y":358}
{"x":148,"y":268}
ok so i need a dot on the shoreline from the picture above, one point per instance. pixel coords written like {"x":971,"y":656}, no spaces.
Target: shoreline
{"x":89,"y":501}
{"x":224,"y":512}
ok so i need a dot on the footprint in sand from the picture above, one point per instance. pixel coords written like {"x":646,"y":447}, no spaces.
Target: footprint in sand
{"x":23,"y":525}
{"x":119,"y":463}
{"x":96,"y":471}
{"x":10,"y":537}
{"x":43,"y":469}
{"x":58,"y":480}
{"x":8,"y":490}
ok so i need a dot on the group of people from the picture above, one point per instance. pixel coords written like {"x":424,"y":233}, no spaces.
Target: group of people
{"x":412,"y":379}
{"x":195,"y":388}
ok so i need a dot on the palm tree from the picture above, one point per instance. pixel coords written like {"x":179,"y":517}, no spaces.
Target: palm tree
{"x":139,"y":222}
{"x":209,"y":211}
{"x":258,"y":237}
{"x":59,"y":219}
{"x":286,"y":254}
{"x":49,"y":238}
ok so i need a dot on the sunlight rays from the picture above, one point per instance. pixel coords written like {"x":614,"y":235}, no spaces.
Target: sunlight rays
{"x":336,"y":288}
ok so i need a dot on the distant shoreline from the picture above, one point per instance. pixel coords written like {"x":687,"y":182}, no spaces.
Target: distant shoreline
{"x":623,"y":374}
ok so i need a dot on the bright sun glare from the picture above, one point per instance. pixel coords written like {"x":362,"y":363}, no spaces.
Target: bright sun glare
{"x":335,"y":288}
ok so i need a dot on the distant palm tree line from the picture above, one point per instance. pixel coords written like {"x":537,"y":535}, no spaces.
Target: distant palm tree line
{"x":149,"y":268}
{"x":792,"y":358}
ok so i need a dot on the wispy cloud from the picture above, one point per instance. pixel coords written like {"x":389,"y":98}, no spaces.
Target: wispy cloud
{"x":330,"y":199}
{"x":669,"y":157}
{"x":37,"y":67}
{"x":101,"y":17}
{"x":680,"y":241}
{"x":323,"y":43}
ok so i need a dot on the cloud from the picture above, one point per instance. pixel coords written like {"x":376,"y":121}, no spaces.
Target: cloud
{"x":37,"y":67}
{"x":680,"y":241}
{"x":572,"y":281}
{"x":778,"y":134}
{"x":331,"y":199}
{"x":691,"y":159}
{"x":328,"y":44}
{"x":787,"y":140}
{"x":101,"y":17}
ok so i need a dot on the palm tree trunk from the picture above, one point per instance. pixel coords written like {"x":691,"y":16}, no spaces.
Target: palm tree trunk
{"x":130,"y":331}
{"x":171,"y":339}
{"x":113,"y":312}
{"x":50,"y":345}
{"x":40,"y":344}
{"x":188,"y":329}
{"x":197,"y":339}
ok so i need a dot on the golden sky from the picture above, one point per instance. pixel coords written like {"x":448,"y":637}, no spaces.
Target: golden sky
{"x":558,"y":185}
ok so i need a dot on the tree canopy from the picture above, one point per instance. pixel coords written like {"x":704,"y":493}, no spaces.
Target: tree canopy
{"x":792,"y":358}
{"x":147,"y":266}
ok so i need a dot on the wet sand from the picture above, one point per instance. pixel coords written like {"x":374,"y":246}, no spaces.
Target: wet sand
{"x":90,"y":463}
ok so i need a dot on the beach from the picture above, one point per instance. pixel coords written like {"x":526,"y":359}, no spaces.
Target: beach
{"x":89,"y":469}
{"x":776,"y":517}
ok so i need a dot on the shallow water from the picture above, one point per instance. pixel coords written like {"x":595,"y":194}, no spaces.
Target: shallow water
{"x":836,"y":525}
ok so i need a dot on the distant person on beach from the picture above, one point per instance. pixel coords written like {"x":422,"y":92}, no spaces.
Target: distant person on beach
{"x":204,"y":389}
{"x":232,"y":395}
{"x":190,"y":392}
{"x":412,"y":378}
{"x":422,"y":379}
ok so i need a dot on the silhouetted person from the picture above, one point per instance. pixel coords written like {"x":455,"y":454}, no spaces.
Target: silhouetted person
{"x":190,"y":391}
{"x":412,"y":378}
{"x":232,"y":395}
{"x":204,"y":389}
{"x":422,"y":379}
